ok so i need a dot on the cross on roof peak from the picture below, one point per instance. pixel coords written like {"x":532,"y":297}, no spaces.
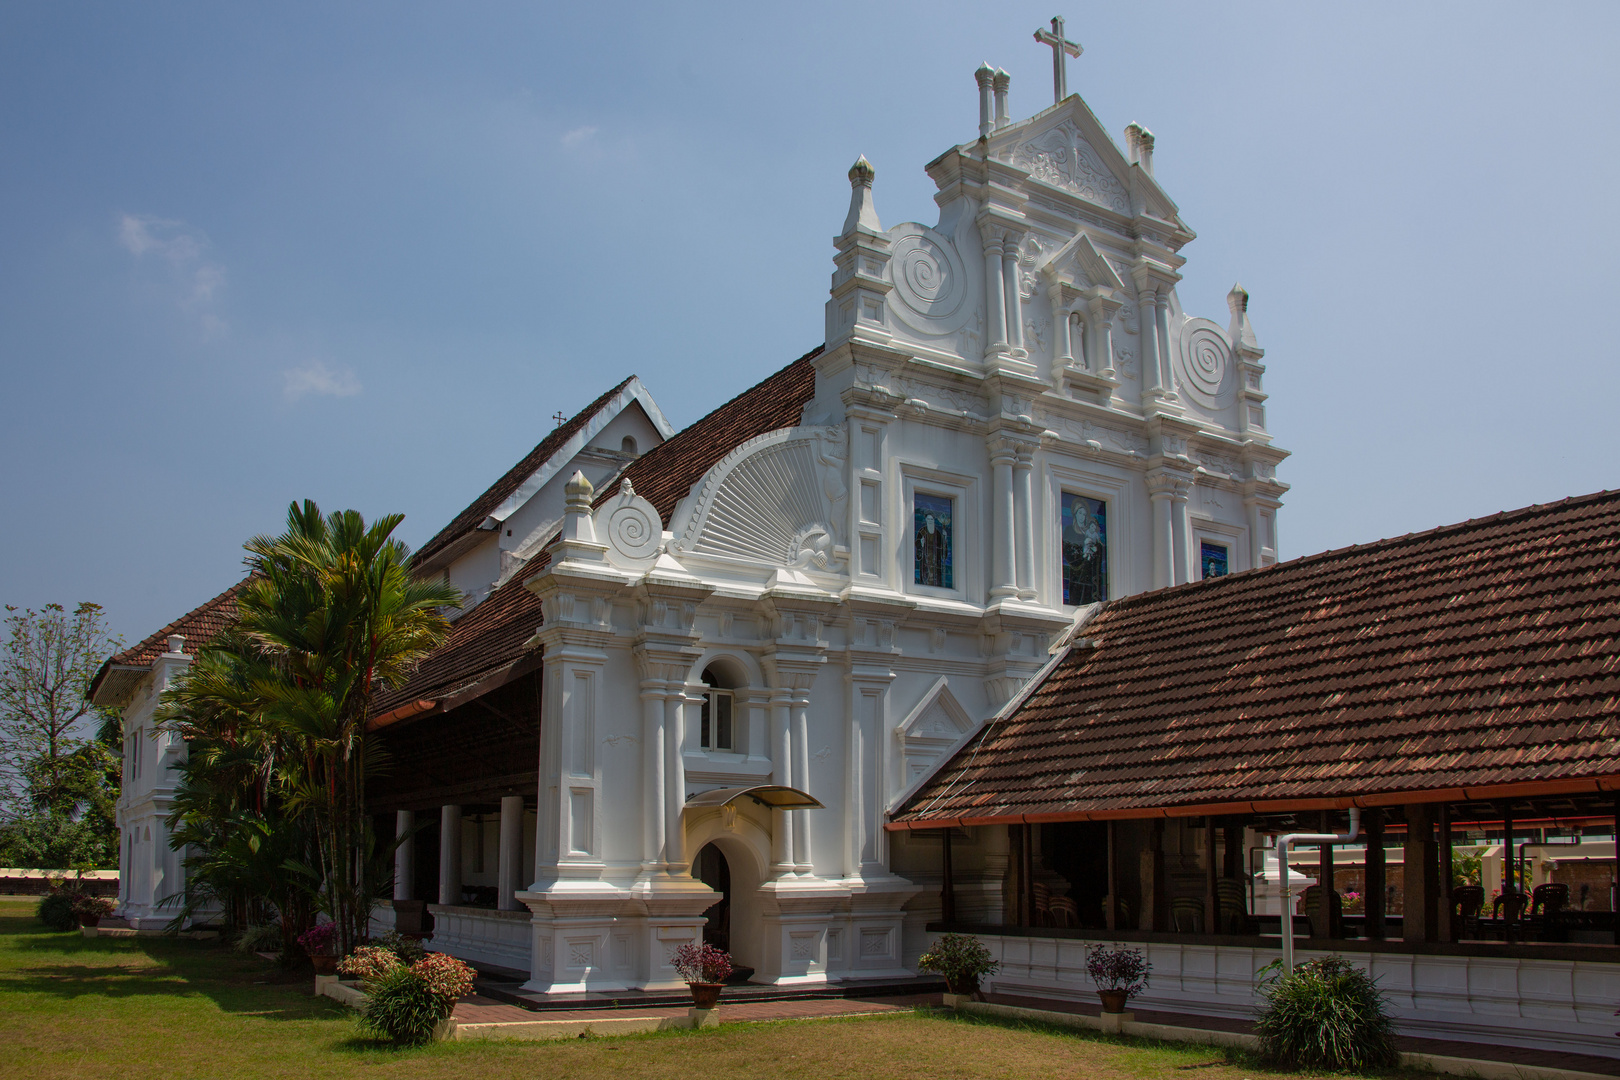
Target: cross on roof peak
{"x":1060,"y":49}
{"x":558,"y":418}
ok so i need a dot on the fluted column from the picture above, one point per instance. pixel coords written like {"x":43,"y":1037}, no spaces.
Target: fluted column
{"x":1161,"y":324}
{"x":450,"y":855}
{"x":404,"y":855}
{"x":1005,"y":581}
{"x":1161,"y":491}
{"x":1147,"y":334}
{"x":800,"y":707}
{"x":674,"y":776}
{"x":652,"y":774}
{"x":509,"y":867}
{"x":995,"y":295}
{"x":1015,"y":299}
{"x":781,"y":773}
{"x":1024,"y":523}
{"x":1178,"y":533}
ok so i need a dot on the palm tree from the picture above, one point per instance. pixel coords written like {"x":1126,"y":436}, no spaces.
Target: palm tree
{"x":332,"y":605}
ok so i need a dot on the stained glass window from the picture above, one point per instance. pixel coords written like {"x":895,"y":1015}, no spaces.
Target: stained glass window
{"x":931,"y":537}
{"x":1213,"y":558}
{"x":1085,"y":549}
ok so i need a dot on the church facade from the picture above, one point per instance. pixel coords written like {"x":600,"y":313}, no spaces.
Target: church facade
{"x":749,"y":647}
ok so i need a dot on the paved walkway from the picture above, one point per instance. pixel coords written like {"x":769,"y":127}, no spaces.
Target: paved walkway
{"x":476,"y":1009}
{"x":1512,"y":1055}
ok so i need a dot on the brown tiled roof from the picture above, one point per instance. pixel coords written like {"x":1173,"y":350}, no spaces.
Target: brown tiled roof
{"x":198,"y":626}
{"x":502,"y":489}
{"x":1472,"y":659}
{"x":491,"y":635}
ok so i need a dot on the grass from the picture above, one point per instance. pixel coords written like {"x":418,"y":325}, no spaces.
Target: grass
{"x":148,"y":1007}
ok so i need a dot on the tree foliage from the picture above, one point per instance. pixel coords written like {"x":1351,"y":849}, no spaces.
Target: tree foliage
{"x":272,"y":797}
{"x":60,"y":755}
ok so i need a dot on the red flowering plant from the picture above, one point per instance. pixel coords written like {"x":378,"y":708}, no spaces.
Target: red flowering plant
{"x":318,"y":940}
{"x":369,"y":963}
{"x":702,"y":963}
{"x":1118,"y":968}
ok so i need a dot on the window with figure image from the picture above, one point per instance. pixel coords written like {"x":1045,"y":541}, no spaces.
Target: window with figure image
{"x":931,"y":538}
{"x":1212,"y":557}
{"x":1085,"y":549}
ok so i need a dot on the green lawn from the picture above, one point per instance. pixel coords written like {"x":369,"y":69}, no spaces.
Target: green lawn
{"x":123,"y":1009}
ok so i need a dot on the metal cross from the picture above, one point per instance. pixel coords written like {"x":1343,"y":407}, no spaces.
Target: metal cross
{"x":559,"y":418}
{"x":1060,"y":76}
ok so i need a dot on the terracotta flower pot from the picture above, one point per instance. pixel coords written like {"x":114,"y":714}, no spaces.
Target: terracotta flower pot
{"x":705,"y":995}
{"x":324,"y":965}
{"x":1113,"y":1001}
{"x":89,"y":920}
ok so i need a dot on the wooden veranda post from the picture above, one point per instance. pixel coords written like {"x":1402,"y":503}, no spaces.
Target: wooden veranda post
{"x":947,"y":888}
{"x":1374,"y":883}
{"x":1322,"y":919}
{"x":1212,"y":900}
{"x":1111,"y":902}
{"x":1443,"y":929}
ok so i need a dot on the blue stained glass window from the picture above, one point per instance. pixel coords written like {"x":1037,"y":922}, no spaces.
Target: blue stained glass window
{"x":1085,"y":549}
{"x":1213,"y":558}
{"x":931,"y":536}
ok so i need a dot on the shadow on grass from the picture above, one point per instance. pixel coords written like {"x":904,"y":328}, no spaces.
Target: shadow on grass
{"x":124,"y":969}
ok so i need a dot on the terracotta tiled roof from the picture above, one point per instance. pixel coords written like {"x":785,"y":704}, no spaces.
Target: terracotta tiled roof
{"x":198,"y":626}
{"x":1473,"y":658}
{"x":502,"y":489}
{"x":491,"y":636}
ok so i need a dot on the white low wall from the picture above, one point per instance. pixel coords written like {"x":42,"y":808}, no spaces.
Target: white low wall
{"x":1545,"y":1004}
{"x":483,"y":935}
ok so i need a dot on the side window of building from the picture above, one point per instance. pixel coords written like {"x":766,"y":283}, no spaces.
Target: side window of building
{"x":1212,"y":558}
{"x":932,"y":520}
{"x":1085,"y":549}
{"x":715,"y":726}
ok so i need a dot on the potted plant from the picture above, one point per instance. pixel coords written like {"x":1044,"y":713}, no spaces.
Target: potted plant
{"x":320,"y":941}
{"x":92,"y":909}
{"x":1119,"y":972}
{"x":411,"y":1003}
{"x":705,"y":969}
{"x":963,"y":960}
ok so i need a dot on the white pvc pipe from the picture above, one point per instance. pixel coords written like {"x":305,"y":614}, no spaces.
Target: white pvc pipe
{"x":1282,"y":876}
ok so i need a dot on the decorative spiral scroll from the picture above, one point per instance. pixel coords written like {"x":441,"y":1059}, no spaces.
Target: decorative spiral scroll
{"x":630,"y":526}
{"x":1206,"y":364}
{"x":931,"y":282}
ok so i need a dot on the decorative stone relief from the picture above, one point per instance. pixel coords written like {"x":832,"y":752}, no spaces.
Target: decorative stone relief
{"x":934,"y":727}
{"x":1219,"y":464}
{"x":1125,"y":361}
{"x":934,"y":289}
{"x":1062,"y":157}
{"x":777,"y":500}
{"x":1204,"y":364}
{"x":945,"y":398}
{"x":1097,"y":436}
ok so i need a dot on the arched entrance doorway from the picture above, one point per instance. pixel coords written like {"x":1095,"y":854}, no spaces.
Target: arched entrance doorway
{"x":711,"y":868}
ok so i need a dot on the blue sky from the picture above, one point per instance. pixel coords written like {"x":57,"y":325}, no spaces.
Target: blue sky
{"x":363,"y":252}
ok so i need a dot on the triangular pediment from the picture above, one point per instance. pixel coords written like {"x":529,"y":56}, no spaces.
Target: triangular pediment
{"x":1080,"y":263}
{"x":1066,"y":147}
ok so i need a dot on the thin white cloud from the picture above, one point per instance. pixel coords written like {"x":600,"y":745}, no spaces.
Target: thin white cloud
{"x":181,"y":248}
{"x":317,"y":378}
{"x":578,"y":136}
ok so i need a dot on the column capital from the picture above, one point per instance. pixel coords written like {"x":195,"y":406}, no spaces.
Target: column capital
{"x":1168,"y":485}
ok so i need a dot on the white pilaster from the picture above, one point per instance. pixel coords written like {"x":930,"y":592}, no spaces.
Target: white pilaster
{"x":450,"y":854}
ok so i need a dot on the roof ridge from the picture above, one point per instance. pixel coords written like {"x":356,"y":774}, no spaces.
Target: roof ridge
{"x":1388,"y":542}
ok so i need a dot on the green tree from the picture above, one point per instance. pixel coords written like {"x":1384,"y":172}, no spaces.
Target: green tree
{"x":330,"y":615}
{"x":60,"y":780}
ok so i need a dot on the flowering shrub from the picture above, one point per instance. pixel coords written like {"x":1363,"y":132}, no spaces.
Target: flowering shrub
{"x":702,"y":963}
{"x":444,"y":975}
{"x":408,"y":1003}
{"x":961,"y":959}
{"x":317,"y":940}
{"x":369,"y":963}
{"x":93,"y":907}
{"x":1118,"y":968}
{"x":1353,"y":902}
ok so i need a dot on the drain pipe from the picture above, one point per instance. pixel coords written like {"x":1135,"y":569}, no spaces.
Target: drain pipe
{"x":1283,"y":871}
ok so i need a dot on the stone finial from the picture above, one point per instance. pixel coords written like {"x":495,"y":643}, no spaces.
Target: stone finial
{"x":578,"y":490}
{"x":625,"y":489}
{"x":177,"y":644}
{"x":577,"y":524}
{"x":1240,"y":330}
{"x":985,"y":77}
{"x":862,"y":211}
{"x":1139,"y":147}
{"x":1002,"y":82}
